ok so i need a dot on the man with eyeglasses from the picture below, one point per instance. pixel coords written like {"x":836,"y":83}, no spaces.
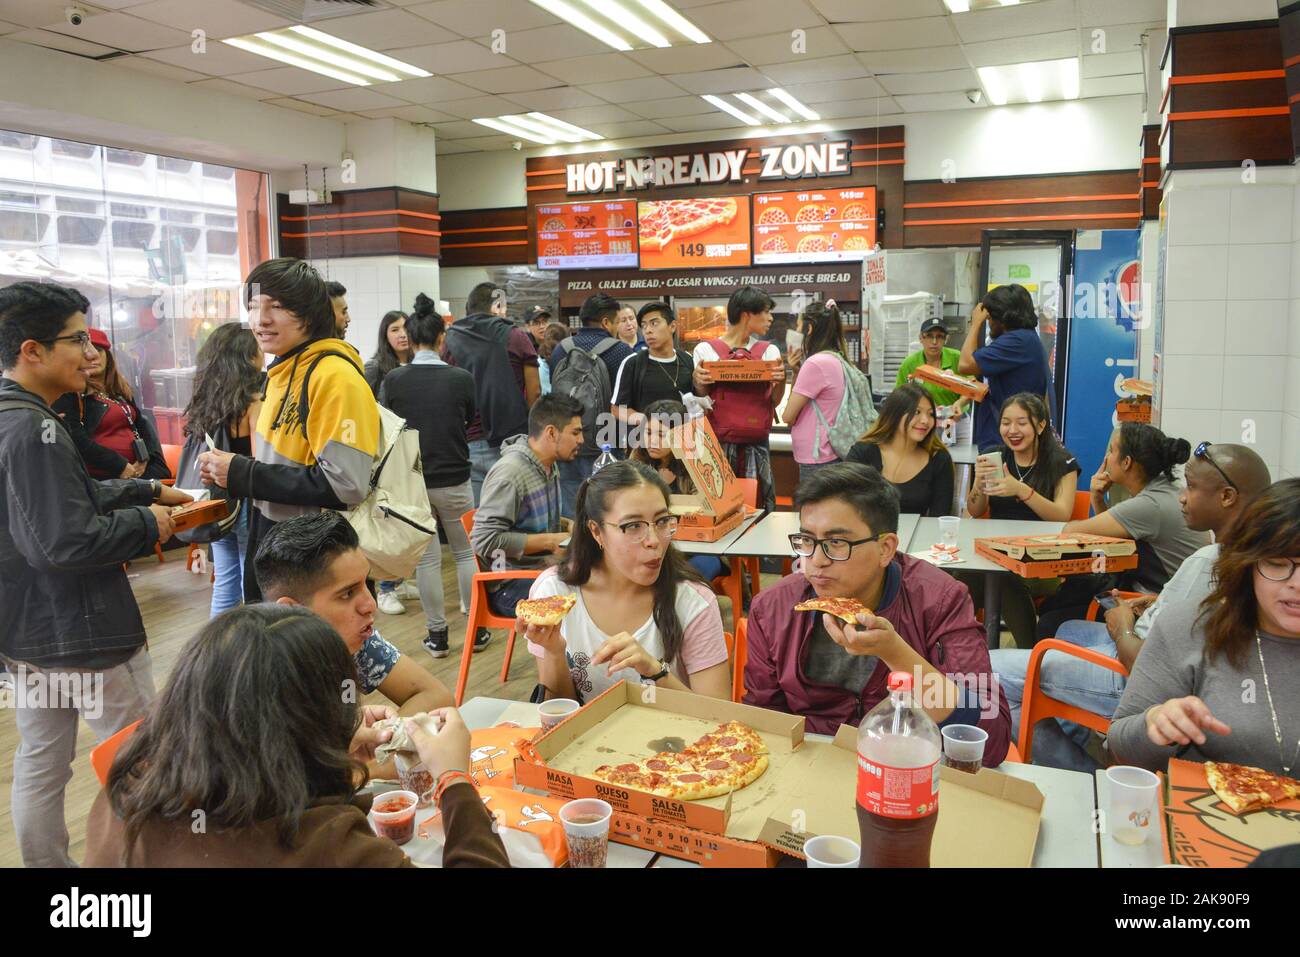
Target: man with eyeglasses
{"x":1221,"y":481}
{"x":73,"y":636}
{"x":922,"y":620}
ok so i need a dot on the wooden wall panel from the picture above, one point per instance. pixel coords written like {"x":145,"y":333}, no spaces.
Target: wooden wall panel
{"x":486,"y":237}
{"x":1150,"y":174}
{"x":1289,"y":26}
{"x":384,"y":221}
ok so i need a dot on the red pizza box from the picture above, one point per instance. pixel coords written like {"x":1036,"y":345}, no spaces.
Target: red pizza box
{"x":1049,"y":556}
{"x":970,"y":388}
{"x":195,"y":514}
{"x":743,"y":370}
{"x":1205,"y":832}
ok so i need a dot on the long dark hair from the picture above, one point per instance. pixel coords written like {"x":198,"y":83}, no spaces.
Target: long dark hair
{"x":899,"y":406}
{"x":1152,"y":449}
{"x":1269,"y":527}
{"x":253,"y":727}
{"x":1050,"y":456}
{"x":385,"y":358}
{"x":299,"y":289}
{"x":115,"y":384}
{"x":585,"y":552}
{"x":226,"y":381}
{"x":1010,"y":307}
{"x":826,"y":330}
{"x":676,"y":414}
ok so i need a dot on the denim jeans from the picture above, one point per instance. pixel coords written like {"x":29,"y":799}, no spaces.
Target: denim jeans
{"x":512,"y":592}
{"x":448,"y":504}
{"x":572,"y":475}
{"x":481,"y":459}
{"x":757,"y":464}
{"x":1063,"y":744}
{"x":228,"y":565}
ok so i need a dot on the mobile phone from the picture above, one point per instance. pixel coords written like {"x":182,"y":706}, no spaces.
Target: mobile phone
{"x":139,"y":450}
{"x":1106,"y":601}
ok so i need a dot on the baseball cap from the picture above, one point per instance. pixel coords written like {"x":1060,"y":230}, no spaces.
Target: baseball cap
{"x":932,"y":324}
{"x":534,"y":313}
{"x":100,"y":338}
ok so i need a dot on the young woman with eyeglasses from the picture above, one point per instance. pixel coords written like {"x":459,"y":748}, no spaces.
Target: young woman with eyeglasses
{"x":1186,"y":696}
{"x":642,"y":613}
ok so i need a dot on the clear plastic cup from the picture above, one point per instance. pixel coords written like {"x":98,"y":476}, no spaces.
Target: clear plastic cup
{"x":829,"y":850}
{"x":948,"y":527}
{"x":398,"y":822}
{"x":586,"y":829}
{"x":415,"y":777}
{"x":963,"y":747}
{"x":552,"y":712}
{"x":1131,"y":812}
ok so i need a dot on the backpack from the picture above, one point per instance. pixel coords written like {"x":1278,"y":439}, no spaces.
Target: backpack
{"x":581,"y":374}
{"x":187,"y":477}
{"x":742,"y":411}
{"x":394,"y":522}
{"x":855,"y":416}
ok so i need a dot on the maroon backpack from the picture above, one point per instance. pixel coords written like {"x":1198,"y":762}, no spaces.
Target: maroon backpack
{"x":742,"y":411}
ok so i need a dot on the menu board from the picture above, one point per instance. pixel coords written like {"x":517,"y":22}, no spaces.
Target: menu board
{"x":587,"y":235}
{"x":822,"y":225}
{"x":676,"y":233}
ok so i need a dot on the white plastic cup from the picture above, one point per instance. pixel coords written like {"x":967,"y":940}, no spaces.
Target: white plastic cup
{"x":1131,"y":815}
{"x":830,"y":850}
{"x":948,"y":528}
{"x":552,"y":712}
{"x":586,"y":829}
{"x":963,"y":747}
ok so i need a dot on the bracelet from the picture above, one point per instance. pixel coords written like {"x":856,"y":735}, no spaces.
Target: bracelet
{"x":447,"y":779}
{"x":651,"y":679}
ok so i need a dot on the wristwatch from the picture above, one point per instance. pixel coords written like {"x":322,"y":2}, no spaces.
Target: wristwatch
{"x":156,"y":487}
{"x":652,"y":679}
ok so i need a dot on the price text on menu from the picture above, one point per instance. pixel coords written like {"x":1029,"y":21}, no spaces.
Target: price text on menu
{"x":814,"y":225}
{"x":587,"y":235}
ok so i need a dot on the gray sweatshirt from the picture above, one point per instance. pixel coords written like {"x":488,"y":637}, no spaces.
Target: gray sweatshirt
{"x":519,"y":499}
{"x":1171,"y":666}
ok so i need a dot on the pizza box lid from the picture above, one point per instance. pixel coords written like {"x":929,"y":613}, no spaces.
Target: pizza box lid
{"x":1056,"y":547}
{"x":1138,"y":387}
{"x":972,"y":388}
{"x":1205,"y":832}
{"x":717,"y":492}
{"x":194,"y":514}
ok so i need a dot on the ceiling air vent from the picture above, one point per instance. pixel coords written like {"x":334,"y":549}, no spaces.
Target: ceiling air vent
{"x":304,"y":11}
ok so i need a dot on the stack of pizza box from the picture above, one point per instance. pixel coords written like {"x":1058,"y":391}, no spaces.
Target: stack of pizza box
{"x":1136,"y":407}
{"x":718,"y":504}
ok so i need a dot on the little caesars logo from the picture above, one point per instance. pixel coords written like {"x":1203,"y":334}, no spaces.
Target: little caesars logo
{"x":73,"y":910}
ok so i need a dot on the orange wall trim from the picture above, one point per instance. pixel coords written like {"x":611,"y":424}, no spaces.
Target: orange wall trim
{"x":1151,"y":185}
{"x":1020,"y":219}
{"x":377,"y":212}
{"x":361,"y":232}
{"x":483,"y":229}
{"x":545,"y":172}
{"x":510,"y":242}
{"x":530,"y":189}
{"x":1227,"y":77}
{"x":1026,"y":201}
{"x":1246,"y":113}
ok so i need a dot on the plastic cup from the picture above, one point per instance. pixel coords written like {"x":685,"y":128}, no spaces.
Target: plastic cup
{"x":948,"y":526}
{"x":963,"y":747}
{"x":552,"y":712}
{"x":829,"y":850}
{"x":586,"y":829}
{"x":1131,"y":814}
{"x":397,"y":824}
{"x":415,"y":777}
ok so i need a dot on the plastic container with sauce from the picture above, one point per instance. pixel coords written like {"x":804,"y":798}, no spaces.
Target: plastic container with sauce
{"x":393,"y":814}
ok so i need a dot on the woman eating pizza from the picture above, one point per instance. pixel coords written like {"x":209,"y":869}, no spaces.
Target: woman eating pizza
{"x":1185,"y":697}
{"x":639,"y":612}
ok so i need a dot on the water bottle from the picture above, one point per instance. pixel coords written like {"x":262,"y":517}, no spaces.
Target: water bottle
{"x":606,"y":458}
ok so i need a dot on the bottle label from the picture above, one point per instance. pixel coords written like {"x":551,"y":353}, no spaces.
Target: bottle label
{"x":898,"y":792}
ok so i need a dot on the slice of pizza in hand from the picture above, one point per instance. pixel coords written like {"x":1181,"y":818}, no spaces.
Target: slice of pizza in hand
{"x":845,"y":609}
{"x":1244,"y":788}
{"x":545,"y":611}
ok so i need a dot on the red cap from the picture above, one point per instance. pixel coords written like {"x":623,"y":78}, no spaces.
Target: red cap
{"x":900,"y":681}
{"x":100,"y":338}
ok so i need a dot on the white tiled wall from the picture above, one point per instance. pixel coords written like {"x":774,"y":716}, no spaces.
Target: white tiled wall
{"x":374,"y":287}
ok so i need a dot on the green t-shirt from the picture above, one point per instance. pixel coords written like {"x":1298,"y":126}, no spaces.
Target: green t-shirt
{"x":940,"y":395}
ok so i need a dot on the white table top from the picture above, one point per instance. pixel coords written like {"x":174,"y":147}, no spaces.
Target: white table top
{"x":927,"y":533}
{"x":721,"y":546}
{"x":1115,"y":854}
{"x":770,"y":538}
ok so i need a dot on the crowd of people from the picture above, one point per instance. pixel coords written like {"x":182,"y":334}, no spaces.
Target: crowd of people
{"x":513,"y":421}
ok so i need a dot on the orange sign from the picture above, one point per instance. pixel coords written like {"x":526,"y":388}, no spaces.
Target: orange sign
{"x":814,"y":225}
{"x":694,"y":232}
{"x":586,"y":235}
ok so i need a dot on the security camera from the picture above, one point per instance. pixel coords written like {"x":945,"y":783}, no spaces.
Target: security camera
{"x":975,"y":96}
{"x":516,"y":146}
{"x":75,"y":15}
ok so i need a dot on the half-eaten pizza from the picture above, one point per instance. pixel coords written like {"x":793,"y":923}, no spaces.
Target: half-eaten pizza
{"x":845,"y":609}
{"x":724,"y":760}
{"x":545,"y":611}
{"x":1245,"y":788}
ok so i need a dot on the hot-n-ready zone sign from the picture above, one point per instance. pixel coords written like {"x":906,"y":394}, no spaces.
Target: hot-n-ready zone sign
{"x":793,"y":161}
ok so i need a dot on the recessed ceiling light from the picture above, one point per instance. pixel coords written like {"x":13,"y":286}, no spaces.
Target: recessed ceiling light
{"x":627,"y":24}
{"x":757,"y":104}
{"x":538,"y":128}
{"x":327,"y":55}
{"x":754,"y":105}
{"x":1031,"y":82}
{"x":794,"y":104}
{"x":726,"y":107}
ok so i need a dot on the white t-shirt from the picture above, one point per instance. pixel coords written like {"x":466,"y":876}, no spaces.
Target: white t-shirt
{"x":704,"y":351}
{"x":702,"y":643}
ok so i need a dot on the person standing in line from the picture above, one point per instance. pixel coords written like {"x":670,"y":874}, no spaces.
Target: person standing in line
{"x":536,"y":319}
{"x":392,"y":350}
{"x":660,"y":372}
{"x":627,"y":328}
{"x":554,"y":334}
{"x":338,"y":294}
{"x":820,"y":381}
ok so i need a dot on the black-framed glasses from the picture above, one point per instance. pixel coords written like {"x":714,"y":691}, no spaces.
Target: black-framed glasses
{"x":1203,"y":452}
{"x":836,"y":549}
{"x":82,"y":339}
{"x":1276,"y":569}
{"x":635,"y":532}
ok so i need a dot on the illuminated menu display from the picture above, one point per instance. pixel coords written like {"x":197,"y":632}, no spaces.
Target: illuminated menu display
{"x":587,"y":235}
{"x":676,"y":233}
{"x":814,"y":225}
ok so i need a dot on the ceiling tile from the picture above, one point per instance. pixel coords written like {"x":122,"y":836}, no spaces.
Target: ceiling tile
{"x":511,"y":79}
{"x":302,"y":106}
{"x":594,"y":114}
{"x":1112,"y":64}
{"x":357,"y":98}
{"x":36,"y":13}
{"x":717,"y":120}
{"x":290,"y":81}
{"x":898,"y":34}
{"x":535,"y":46}
{"x":165,"y":70}
{"x":602,"y":68}
{"x":478,"y":18}
{"x":57,"y":41}
{"x":846,"y":11}
{"x":428,"y":90}
{"x":689,"y":58}
{"x":384,"y":29}
{"x":846,"y":67}
{"x":412,"y":114}
{"x":559,"y":98}
{"x":1124,"y":37}
{"x":1021,"y":20}
{"x":934,"y":102}
{"x":863,"y":88}
{"x":780,"y":47}
{"x":1047,"y":46}
{"x":941,"y":82}
{"x":500,"y":141}
{"x":630,"y":128}
{"x":457,"y":56}
{"x":479,"y":106}
{"x":218,"y":59}
{"x":1112,"y":85}
{"x":123,"y":32}
{"x":721,"y":81}
{"x":447,"y":147}
{"x":232,"y":89}
{"x":858,"y":109}
{"x":625,"y":91}
{"x":923,"y":60}
{"x":673,"y":106}
{"x":458,"y":130}
{"x":1104,"y":12}
{"x":220,"y":18}
{"x":754,"y":18}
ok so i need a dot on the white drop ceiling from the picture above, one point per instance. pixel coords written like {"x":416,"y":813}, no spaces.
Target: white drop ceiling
{"x":855,"y":57}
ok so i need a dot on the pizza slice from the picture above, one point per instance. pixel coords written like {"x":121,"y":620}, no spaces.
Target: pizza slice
{"x":545,"y":611}
{"x":1244,"y":788}
{"x":856,"y":211}
{"x":845,"y":609}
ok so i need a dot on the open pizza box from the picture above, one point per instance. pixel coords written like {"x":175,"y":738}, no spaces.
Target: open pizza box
{"x":1047,"y":556}
{"x":970,"y":388}
{"x":1205,"y":832}
{"x":194,"y":514}
{"x":718,"y":505}
{"x":743,"y":370}
{"x":986,"y":820}
{"x":1136,"y":407}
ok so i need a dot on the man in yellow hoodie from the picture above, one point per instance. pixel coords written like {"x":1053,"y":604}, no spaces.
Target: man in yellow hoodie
{"x":318,"y":432}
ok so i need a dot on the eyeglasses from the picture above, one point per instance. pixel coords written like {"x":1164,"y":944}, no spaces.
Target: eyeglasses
{"x":1276,"y":569}
{"x":836,"y":549}
{"x":1203,"y":452}
{"x":635,"y":532}
{"x":82,"y":339}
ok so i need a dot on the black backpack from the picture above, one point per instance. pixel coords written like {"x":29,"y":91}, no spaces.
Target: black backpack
{"x":581,"y":374}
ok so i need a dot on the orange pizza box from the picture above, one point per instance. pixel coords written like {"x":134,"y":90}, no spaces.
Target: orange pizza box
{"x":970,"y":388}
{"x":690,"y":530}
{"x":1133,"y":410}
{"x":194,"y":514}
{"x":743,"y":370}
{"x":1139,"y":387}
{"x":718,"y":503}
{"x":1047,"y":556}
{"x":1205,"y":832}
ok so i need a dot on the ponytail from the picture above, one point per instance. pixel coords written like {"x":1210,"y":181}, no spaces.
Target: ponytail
{"x":1152,"y":449}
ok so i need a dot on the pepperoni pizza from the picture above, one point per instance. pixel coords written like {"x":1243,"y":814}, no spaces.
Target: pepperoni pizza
{"x":1245,"y":788}
{"x":545,"y":611}
{"x":664,"y":222}
{"x":724,"y":760}
{"x":845,"y":609}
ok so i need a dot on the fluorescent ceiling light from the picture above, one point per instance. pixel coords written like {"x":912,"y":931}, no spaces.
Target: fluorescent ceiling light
{"x":957,"y":6}
{"x":794,"y":104}
{"x":360,"y":52}
{"x":539,"y":128}
{"x":583,"y":22}
{"x":675,"y":20}
{"x":1031,"y":82}
{"x":993,"y":86}
{"x":635,"y":25}
{"x":262,"y":48}
{"x":327,"y":55}
{"x":562,"y":127}
{"x":504,"y":127}
{"x":964,"y":6}
{"x":726,"y":107}
{"x":1069,"y":78}
{"x":613,"y":22}
{"x":757,"y":104}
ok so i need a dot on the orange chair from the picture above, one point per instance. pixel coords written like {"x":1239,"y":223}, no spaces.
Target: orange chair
{"x":172,"y":453}
{"x":1039,"y":706}
{"x":730,"y":584}
{"x":1093,"y":607}
{"x":1082,"y":504}
{"x":739,"y":655}
{"x":482,"y":616}
{"x":1013,"y":754}
{"x":102,"y":754}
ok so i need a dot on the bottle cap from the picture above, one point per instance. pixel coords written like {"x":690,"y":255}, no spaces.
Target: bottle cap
{"x":900,"y":681}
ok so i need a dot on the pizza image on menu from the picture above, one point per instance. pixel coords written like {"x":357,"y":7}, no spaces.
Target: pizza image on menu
{"x":812,"y":213}
{"x":774,"y":244}
{"x":665,"y":222}
{"x":773,"y":216}
{"x":677,"y":233}
{"x":814,"y":225}
{"x":813,"y":243}
{"x":555,"y":222}
{"x":857,"y":212}
{"x":856,"y":243}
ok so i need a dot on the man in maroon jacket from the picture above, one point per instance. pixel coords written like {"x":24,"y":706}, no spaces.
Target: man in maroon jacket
{"x":832,"y":673}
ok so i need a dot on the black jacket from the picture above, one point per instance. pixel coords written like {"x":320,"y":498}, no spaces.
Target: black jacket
{"x":83,"y":418}
{"x":437,"y":400}
{"x":64,"y":596}
{"x":480,"y":345}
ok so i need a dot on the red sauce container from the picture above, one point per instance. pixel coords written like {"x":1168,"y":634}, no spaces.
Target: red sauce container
{"x":393,"y":814}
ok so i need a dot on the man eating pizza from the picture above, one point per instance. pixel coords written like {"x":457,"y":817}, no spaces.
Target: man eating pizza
{"x":919,"y":620}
